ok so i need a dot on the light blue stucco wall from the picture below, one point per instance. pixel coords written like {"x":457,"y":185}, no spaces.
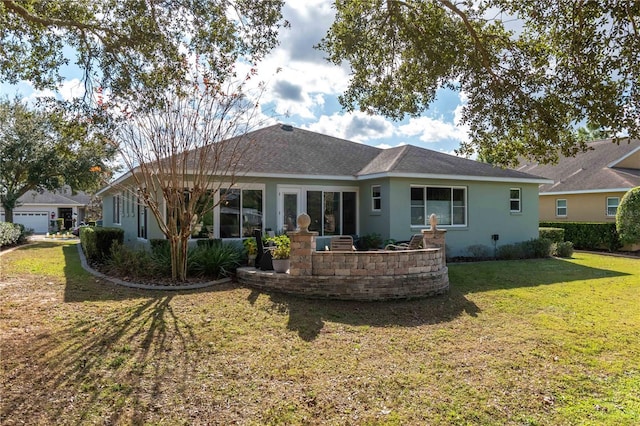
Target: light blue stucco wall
{"x":488,"y":211}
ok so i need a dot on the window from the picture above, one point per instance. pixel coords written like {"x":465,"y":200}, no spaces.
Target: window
{"x":561,"y":208}
{"x":116,"y":208}
{"x":332,"y":212}
{"x":142,"y":220}
{"x":240,"y":212}
{"x":612,"y":205}
{"x":448,"y":203}
{"x":376,"y":199}
{"x":515,"y":203}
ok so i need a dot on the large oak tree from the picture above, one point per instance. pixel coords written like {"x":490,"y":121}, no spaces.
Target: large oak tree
{"x":533,"y":70}
{"x":46,"y":148}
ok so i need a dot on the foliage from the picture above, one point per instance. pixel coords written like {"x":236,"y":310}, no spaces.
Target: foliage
{"x":46,"y":148}
{"x":9,"y":234}
{"x":370,"y":241}
{"x":528,"y":84}
{"x":562,"y":249}
{"x":479,"y":250}
{"x":283,"y":246}
{"x":220,"y":260}
{"x":125,"y":262}
{"x":250,"y":246}
{"x":628,"y":217}
{"x":133,"y":49}
{"x":532,"y":249}
{"x":96,"y":241}
{"x":588,"y":236}
{"x":556,"y":235}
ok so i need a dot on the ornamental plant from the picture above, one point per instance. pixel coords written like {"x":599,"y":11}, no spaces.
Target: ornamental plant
{"x":628,"y":217}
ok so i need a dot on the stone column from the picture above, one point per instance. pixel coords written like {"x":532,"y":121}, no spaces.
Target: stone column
{"x":434,"y":237}
{"x":303,"y":243}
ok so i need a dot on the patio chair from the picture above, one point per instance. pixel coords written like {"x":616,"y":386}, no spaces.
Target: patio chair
{"x":342,"y":243}
{"x":414,"y":243}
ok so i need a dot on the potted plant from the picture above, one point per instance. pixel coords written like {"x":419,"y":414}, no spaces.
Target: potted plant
{"x":251,"y":247}
{"x":280,"y":253}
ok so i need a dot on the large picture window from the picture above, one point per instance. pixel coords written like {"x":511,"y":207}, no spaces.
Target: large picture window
{"x":240,"y":212}
{"x":448,"y":203}
{"x":332,"y":212}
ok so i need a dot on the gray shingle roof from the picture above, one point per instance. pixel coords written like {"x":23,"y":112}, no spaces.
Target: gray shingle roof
{"x":594,"y":170}
{"x":291,"y":151}
{"x":62,"y":196}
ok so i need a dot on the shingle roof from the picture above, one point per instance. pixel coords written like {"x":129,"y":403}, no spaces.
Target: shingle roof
{"x":62,"y":196}
{"x":594,"y":170}
{"x":286,"y":150}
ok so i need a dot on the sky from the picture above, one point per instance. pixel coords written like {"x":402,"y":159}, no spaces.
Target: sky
{"x":304,"y":92}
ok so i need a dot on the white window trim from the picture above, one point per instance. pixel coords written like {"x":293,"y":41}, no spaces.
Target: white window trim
{"x":427,"y":214}
{"x":519,"y":200}
{"x":374,"y":198}
{"x":607,"y":207}
{"x":566,"y":207}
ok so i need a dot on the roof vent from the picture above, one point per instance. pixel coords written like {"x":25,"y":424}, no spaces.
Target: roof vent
{"x":287,"y":127}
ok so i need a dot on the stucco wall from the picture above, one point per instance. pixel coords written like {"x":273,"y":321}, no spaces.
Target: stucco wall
{"x":580,"y":207}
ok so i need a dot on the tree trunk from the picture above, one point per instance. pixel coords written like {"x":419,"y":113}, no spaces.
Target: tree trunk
{"x":8,"y":215}
{"x":179,"y":251}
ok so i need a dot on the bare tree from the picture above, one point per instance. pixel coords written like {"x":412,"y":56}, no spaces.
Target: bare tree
{"x":183,"y":152}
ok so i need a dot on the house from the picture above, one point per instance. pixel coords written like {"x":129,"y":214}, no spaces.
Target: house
{"x":37,"y":210}
{"x":589,"y":186}
{"x":350,"y":188}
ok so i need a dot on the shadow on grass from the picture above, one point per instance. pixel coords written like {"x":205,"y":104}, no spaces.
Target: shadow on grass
{"x":500,"y":275}
{"x":307,"y":316}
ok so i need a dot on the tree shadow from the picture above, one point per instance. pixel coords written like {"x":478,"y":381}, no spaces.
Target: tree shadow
{"x":139,"y":333}
{"x":307,"y":316}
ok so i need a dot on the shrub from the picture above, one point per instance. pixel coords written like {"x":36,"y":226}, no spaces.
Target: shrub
{"x":479,"y":250}
{"x":9,"y":234}
{"x":96,"y":242}
{"x":537,"y":248}
{"x":556,"y":235}
{"x":370,"y":241}
{"x":161,"y":257}
{"x":563,"y":249}
{"x":217,"y":261}
{"x":589,"y":236}
{"x":126,"y":262}
{"x":628,"y":217}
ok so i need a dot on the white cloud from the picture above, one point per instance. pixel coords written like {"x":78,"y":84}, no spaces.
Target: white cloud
{"x":356,"y":126}
{"x":431,"y":130}
{"x":387,"y":146}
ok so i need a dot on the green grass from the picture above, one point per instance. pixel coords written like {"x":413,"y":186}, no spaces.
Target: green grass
{"x":539,"y":342}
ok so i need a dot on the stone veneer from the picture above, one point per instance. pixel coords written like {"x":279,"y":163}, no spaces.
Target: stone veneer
{"x":366,"y":275}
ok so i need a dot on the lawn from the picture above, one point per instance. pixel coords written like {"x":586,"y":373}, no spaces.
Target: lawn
{"x":538,"y":342}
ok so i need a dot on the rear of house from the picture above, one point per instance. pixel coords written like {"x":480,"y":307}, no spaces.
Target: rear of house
{"x":352,"y":189}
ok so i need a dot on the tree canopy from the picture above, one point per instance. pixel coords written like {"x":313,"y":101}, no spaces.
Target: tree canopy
{"x":46,"y":148}
{"x":133,"y":46}
{"x":628,"y":217}
{"x":533,"y":70}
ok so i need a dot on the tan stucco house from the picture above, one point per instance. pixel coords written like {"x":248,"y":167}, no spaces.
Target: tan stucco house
{"x":589,"y":186}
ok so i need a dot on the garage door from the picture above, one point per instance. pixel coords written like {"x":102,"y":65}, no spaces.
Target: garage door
{"x":38,"y":221}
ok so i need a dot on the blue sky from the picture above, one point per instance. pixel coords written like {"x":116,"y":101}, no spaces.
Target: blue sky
{"x":304,"y":92}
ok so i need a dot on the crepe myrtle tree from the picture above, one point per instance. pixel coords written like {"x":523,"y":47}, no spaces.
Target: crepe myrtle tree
{"x":533,"y":71}
{"x":628,"y":217}
{"x":48,"y":146}
{"x":182,"y":152}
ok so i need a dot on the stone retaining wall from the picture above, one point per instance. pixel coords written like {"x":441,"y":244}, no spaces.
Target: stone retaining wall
{"x":369,"y":275}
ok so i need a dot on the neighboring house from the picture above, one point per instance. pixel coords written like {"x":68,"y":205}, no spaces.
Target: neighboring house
{"x":354,"y":189}
{"x":37,"y":210}
{"x":589,"y":186}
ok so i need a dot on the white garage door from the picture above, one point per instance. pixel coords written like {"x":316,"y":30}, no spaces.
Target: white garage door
{"x":38,"y":221}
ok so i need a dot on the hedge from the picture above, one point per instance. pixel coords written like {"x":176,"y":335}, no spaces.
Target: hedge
{"x":588,"y":236}
{"x":96,"y":242}
{"x":9,"y":234}
{"x":556,"y":235}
